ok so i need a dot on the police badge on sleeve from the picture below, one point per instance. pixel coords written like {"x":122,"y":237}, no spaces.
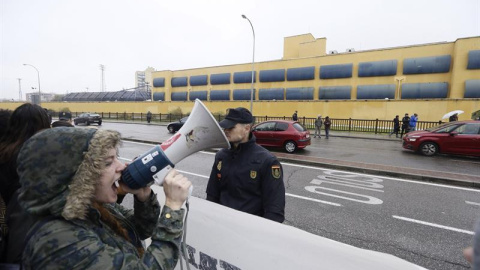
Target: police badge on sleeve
{"x":276,"y":172}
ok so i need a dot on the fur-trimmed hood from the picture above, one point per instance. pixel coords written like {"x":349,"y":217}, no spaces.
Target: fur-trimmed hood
{"x":59,"y":169}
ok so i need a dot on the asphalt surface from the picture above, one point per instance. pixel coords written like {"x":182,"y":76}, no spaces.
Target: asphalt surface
{"x":376,"y":154}
{"x":373,"y":212}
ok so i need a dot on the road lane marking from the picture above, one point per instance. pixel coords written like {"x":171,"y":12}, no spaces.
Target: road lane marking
{"x":434,"y":225}
{"x":369,"y":199}
{"x":384,"y":177}
{"x":310,"y":199}
{"x":474,"y":203}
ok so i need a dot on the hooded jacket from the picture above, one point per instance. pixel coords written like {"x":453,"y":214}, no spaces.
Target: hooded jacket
{"x":59,"y":169}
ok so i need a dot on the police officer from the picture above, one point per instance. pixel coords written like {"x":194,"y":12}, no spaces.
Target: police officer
{"x":246,"y":177}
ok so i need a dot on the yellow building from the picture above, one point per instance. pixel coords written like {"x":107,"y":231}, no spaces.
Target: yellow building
{"x":429,"y":79}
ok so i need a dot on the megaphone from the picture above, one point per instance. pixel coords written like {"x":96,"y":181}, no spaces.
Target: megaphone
{"x":201,"y":131}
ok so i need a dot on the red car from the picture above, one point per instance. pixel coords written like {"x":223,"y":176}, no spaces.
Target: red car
{"x":288,"y":135}
{"x":459,"y":138}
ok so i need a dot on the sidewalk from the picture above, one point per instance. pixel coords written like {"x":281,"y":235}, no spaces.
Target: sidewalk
{"x":457,"y":179}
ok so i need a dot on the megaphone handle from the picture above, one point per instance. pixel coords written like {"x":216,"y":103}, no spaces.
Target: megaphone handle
{"x":160,"y":177}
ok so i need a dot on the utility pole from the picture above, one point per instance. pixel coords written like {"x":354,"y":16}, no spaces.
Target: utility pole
{"x":102,"y":68}
{"x":19,"y":89}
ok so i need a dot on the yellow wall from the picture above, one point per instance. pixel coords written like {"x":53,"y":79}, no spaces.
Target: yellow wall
{"x":431,"y":110}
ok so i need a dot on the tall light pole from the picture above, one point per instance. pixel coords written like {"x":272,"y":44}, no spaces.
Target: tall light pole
{"x":253,"y":64}
{"x":39,"y":92}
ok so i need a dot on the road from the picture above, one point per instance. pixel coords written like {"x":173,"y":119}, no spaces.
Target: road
{"x":424,"y":223}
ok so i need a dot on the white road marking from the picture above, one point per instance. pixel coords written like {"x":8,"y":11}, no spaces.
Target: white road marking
{"x":474,"y":203}
{"x":195,"y":174}
{"x":310,"y":199}
{"x":384,"y":177}
{"x":434,"y":225}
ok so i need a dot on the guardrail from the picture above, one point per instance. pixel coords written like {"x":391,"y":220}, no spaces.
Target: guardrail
{"x":376,"y":126}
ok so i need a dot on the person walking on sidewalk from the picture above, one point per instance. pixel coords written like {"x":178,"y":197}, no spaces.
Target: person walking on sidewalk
{"x":405,"y":125}
{"x":396,"y":126}
{"x":413,"y":122}
{"x":294,"y":116}
{"x":318,"y":127}
{"x":149,"y":117}
{"x":327,"y":123}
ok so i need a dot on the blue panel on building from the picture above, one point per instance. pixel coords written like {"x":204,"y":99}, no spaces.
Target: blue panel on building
{"x":336,"y":71}
{"x":179,"y":81}
{"x":424,"y":90}
{"x":109,"y":96}
{"x":379,"y":68}
{"x":300,"y":93}
{"x":473,"y":60}
{"x":202,"y":95}
{"x":101,"y":96}
{"x":378,"y":91}
{"x":198,"y":80}
{"x":159,"y":96}
{"x":271,"y":94}
{"x":243,"y":94}
{"x":335,"y":92}
{"x":273,"y":75}
{"x":219,"y":94}
{"x":159,"y":82}
{"x":179,"y":96}
{"x":424,"y":65}
{"x":300,"y":74}
{"x":472,"y":89}
{"x":222,"y":78}
{"x":244,"y":77}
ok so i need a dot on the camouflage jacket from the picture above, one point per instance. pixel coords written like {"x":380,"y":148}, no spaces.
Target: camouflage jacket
{"x":58,"y":170}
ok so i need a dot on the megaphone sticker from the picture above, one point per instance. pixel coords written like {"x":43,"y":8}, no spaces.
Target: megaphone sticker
{"x":170,"y":141}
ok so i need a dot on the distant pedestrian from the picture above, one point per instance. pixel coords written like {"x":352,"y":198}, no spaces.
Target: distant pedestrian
{"x":413,"y":122}
{"x":453,"y":118}
{"x":327,"y":123}
{"x":294,"y":116}
{"x":149,"y":117}
{"x":405,"y":125}
{"x":396,"y":126}
{"x":318,"y":127}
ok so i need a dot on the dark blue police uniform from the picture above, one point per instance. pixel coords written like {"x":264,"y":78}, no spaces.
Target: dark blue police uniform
{"x":249,"y":179}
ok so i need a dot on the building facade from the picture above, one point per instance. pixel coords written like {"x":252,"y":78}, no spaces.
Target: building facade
{"x":357,"y":84}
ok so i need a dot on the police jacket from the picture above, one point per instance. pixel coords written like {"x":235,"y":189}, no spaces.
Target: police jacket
{"x":249,"y":179}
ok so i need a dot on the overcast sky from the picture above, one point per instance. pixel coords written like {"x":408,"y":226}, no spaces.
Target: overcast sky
{"x":67,"y":40}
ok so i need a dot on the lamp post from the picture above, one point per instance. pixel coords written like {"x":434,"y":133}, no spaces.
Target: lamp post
{"x":253,"y":63}
{"x":38,"y":74}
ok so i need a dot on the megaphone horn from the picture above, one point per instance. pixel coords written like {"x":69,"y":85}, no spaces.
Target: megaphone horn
{"x":201,"y":131}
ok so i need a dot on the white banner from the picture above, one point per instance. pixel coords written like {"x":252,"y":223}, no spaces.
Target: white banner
{"x":222,"y":238}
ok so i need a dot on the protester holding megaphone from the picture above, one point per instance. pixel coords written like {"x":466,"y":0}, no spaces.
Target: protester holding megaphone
{"x":69,"y":182}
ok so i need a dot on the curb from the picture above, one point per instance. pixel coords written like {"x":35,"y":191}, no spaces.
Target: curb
{"x":331,"y":165}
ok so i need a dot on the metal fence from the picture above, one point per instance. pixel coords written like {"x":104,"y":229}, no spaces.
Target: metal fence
{"x":376,"y":126}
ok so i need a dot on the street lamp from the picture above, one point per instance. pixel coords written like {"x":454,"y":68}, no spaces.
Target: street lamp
{"x":253,"y":63}
{"x":38,"y":74}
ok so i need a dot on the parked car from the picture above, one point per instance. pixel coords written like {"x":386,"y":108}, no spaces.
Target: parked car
{"x":175,"y":126}
{"x":289,"y":135}
{"x":88,"y":118}
{"x":459,"y":138}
